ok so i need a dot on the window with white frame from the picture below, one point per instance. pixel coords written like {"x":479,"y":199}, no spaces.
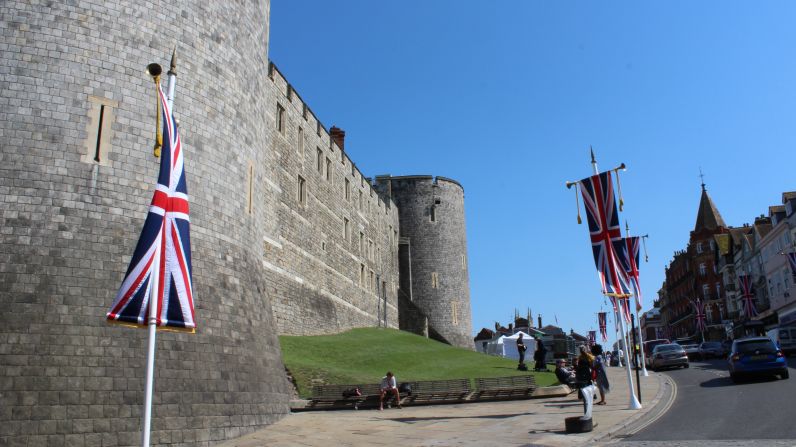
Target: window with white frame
{"x":702,"y":269}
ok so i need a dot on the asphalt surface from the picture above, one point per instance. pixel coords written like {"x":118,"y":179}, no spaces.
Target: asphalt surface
{"x":709,"y":406}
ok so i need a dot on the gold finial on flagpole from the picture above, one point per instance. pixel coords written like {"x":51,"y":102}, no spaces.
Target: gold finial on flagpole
{"x":155,"y":70}
{"x":621,"y":167}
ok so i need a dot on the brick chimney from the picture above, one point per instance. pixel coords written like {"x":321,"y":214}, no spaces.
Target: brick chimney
{"x":338,"y":136}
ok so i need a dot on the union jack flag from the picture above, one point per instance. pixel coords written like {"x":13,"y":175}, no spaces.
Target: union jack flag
{"x":792,"y":261}
{"x":700,"y":315}
{"x":160,"y":269}
{"x":631,"y":257}
{"x":592,"y":338}
{"x":606,"y":238}
{"x":747,"y":295}
{"x":602,"y":321}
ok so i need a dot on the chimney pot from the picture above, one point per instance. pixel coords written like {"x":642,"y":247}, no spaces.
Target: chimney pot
{"x":338,"y":136}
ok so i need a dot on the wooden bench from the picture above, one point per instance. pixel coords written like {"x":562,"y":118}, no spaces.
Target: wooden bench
{"x":333,"y":397}
{"x":437,"y":391}
{"x":512,"y":387}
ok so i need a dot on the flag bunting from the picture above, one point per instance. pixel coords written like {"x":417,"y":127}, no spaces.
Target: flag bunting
{"x":700,"y":315}
{"x":602,"y":321}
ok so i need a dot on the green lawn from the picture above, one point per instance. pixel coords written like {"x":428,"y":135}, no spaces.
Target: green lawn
{"x":364,"y":355}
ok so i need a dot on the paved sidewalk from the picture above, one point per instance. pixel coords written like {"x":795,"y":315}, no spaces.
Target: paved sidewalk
{"x":513,"y":423}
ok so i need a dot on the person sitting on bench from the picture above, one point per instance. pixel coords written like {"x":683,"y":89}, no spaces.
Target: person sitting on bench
{"x":564,"y":375}
{"x":388,"y":386}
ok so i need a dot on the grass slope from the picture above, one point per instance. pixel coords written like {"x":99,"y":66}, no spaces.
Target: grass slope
{"x":364,"y":355}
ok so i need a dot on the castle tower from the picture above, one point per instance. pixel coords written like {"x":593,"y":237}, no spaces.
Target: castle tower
{"x":434,"y":279}
{"x":77,"y":177}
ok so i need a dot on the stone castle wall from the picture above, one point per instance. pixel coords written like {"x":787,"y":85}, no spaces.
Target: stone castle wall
{"x":77,"y":174}
{"x":334,"y":255}
{"x":431,"y":212}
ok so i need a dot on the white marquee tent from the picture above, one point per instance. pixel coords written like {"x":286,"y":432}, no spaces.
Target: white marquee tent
{"x":506,"y":346}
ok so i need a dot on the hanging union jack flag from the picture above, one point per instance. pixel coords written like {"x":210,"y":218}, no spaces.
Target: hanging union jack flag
{"x":606,"y":238}
{"x":592,"y":338}
{"x":160,"y":269}
{"x":747,"y":295}
{"x":700,"y":315}
{"x":603,"y":323}
{"x":792,"y":261}
{"x":632,"y":245}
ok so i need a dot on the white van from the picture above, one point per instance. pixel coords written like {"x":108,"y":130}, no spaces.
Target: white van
{"x":785,"y":338}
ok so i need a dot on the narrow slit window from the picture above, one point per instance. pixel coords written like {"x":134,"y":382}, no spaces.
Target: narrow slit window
{"x":434,"y":280}
{"x":99,"y":135}
{"x":328,"y":169}
{"x":300,"y":145}
{"x":301,"y":191}
{"x":250,"y":190}
{"x":99,"y":130}
{"x":280,"y":118}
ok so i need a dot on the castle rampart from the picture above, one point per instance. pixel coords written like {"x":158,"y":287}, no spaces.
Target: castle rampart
{"x":334,"y":259}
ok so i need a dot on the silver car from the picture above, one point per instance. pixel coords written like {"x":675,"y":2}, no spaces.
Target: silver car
{"x":671,"y":355}
{"x":692,"y":351}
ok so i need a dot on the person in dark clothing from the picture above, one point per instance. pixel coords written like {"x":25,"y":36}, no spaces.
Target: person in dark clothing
{"x":564,"y":375}
{"x":521,"y":348}
{"x":583,"y":378}
{"x":602,"y":378}
{"x":540,"y":355}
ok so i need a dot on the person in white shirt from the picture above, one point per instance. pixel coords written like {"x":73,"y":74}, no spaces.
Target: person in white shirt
{"x":388,"y":386}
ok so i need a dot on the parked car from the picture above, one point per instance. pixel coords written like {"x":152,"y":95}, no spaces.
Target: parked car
{"x":726,"y":345}
{"x":649,"y":345}
{"x":711,"y":349}
{"x":692,"y":351}
{"x":785,"y":338}
{"x":668,"y":355}
{"x":756,"y":356}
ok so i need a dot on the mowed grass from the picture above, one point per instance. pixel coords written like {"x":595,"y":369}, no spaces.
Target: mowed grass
{"x":365,"y":355}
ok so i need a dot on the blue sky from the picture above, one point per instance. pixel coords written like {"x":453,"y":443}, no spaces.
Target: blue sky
{"x":506,"y":98}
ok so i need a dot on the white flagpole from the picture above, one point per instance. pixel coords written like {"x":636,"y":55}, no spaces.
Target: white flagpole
{"x":641,"y":346}
{"x":172,"y":79}
{"x":634,"y":403}
{"x":150,"y":359}
{"x":150,"y":374}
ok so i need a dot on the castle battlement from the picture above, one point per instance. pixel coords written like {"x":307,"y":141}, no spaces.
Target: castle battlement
{"x":287,"y":235}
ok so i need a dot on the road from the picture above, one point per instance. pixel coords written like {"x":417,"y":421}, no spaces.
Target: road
{"x":709,"y":406}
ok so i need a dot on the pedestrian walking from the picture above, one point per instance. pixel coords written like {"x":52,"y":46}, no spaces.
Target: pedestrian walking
{"x":602,"y":377}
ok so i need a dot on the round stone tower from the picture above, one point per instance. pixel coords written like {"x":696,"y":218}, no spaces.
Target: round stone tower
{"x":435,"y":285}
{"x":77,"y":121}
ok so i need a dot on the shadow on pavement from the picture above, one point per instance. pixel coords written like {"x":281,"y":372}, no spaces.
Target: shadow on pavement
{"x":717,"y":382}
{"x":410,"y":420}
{"x":726,"y":381}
